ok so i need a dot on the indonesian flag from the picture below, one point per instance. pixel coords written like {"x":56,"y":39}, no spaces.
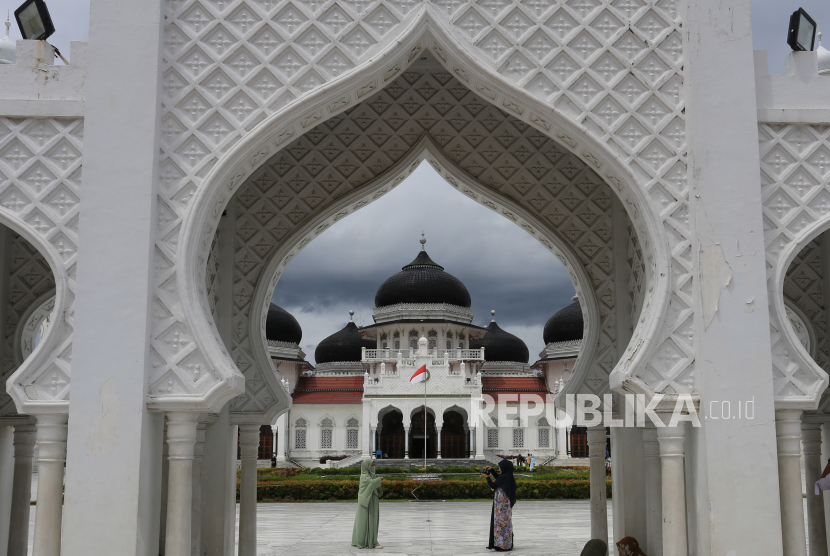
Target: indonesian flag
{"x":420,"y":375}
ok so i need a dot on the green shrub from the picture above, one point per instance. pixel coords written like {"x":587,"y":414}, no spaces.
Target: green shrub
{"x":424,"y":490}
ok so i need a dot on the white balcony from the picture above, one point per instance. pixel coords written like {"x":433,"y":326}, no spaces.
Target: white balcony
{"x":439,"y":356}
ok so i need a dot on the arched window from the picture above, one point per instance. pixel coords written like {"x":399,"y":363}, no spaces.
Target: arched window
{"x":326,"y":434}
{"x":544,"y":432}
{"x":384,"y":344}
{"x":413,"y":339}
{"x":461,"y":341}
{"x":352,"y":433}
{"x":518,"y":434}
{"x":300,"y":433}
{"x":432,"y":339}
{"x":493,"y":435}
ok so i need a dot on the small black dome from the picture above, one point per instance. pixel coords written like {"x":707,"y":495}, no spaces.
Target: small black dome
{"x":342,"y":346}
{"x":500,"y":345}
{"x":422,"y":281}
{"x":281,"y":326}
{"x":565,"y":325}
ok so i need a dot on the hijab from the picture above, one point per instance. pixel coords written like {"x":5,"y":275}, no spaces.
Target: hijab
{"x":506,"y":482}
{"x":367,"y":479}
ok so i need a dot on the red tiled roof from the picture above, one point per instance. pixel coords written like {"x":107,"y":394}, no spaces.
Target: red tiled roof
{"x":498,"y":386}
{"x":339,"y":390}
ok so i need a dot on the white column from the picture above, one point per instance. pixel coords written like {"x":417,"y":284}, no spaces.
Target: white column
{"x":811,"y":446}
{"x":248,"y":443}
{"x":406,"y":443}
{"x":788,"y":432}
{"x":654,"y":501}
{"x":114,"y":443}
{"x":274,"y":438}
{"x":618,"y":470}
{"x":472,"y":450}
{"x":374,"y":440}
{"x":51,"y":440}
{"x":24,"y":447}
{"x":6,"y":476}
{"x":825,"y":495}
{"x":165,"y":468}
{"x":367,"y":428}
{"x":438,"y":454}
{"x":480,"y":440}
{"x":218,"y":467}
{"x":599,"y":504}
{"x":672,"y":453}
{"x":281,"y":437}
{"x":181,"y":440}
{"x":196,"y":504}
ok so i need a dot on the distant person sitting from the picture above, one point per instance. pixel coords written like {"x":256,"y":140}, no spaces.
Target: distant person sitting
{"x":520,"y":460}
{"x":378,"y":454}
{"x":273,"y":461}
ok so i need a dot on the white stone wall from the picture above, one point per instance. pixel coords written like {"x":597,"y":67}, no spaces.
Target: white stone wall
{"x":314,"y":414}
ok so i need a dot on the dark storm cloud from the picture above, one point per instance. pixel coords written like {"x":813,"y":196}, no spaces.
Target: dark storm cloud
{"x":502,"y":266}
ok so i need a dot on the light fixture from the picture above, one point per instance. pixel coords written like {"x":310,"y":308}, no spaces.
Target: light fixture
{"x":802,"y":33}
{"x":34,"y":21}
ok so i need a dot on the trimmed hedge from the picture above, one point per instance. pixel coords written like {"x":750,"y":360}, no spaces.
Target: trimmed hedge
{"x":424,"y":490}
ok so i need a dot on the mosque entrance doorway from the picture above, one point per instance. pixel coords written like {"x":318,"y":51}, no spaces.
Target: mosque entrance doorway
{"x":454,"y":443}
{"x":392,"y":435}
{"x":416,"y":436}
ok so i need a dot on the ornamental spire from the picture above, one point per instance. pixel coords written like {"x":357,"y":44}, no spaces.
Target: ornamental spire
{"x":493,"y":313}
{"x":423,"y":242}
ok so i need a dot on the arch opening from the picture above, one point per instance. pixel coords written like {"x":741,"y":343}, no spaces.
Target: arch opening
{"x":338,"y":167}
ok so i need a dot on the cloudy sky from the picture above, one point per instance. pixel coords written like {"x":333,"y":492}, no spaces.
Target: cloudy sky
{"x":503,"y":267}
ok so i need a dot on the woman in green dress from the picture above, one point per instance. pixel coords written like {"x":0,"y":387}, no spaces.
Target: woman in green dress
{"x":365,"y":532}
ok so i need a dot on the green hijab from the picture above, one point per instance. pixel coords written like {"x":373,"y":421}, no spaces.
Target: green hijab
{"x":367,"y":483}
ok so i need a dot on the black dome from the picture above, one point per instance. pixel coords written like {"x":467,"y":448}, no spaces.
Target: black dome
{"x":342,"y":346}
{"x":565,"y":325}
{"x":422,"y":281}
{"x":500,"y":345}
{"x":281,"y":326}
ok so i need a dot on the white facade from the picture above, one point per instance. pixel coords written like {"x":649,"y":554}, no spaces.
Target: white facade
{"x":642,"y":142}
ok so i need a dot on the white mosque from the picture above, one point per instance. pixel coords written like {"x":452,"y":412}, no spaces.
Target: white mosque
{"x":422,"y":316}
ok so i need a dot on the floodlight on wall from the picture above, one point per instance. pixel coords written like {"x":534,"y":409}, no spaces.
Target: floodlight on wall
{"x":802,"y":33}
{"x":34,"y":21}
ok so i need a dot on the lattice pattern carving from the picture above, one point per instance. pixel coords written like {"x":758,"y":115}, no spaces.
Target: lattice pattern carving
{"x":40,"y":190}
{"x":613,"y":67}
{"x":803,"y":287}
{"x":31,"y":279}
{"x":488,"y":146}
{"x":795,"y":181}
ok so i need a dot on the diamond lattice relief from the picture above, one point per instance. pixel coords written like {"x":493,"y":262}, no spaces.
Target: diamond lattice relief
{"x":507,"y":156}
{"x":613,"y":67}
{"x":796,"y":195}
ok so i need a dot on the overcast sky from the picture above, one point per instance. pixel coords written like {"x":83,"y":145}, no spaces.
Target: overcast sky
{"x":503,"y":267}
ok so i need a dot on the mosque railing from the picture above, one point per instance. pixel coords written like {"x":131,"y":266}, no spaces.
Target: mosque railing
{"x":390,"y":355}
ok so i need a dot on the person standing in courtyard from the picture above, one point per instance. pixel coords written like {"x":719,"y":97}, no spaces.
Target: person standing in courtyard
{"x":501,"y":515}
{"x":365,"y":532}
{"x":532,"y":461}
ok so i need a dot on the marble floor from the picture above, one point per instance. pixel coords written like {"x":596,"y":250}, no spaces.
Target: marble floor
{"x":423,"y":528}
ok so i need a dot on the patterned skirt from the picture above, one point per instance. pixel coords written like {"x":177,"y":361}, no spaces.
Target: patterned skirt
{"x":502,"y":521}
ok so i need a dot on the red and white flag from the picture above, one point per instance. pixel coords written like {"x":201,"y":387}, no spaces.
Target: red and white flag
{"x":420,"y":375}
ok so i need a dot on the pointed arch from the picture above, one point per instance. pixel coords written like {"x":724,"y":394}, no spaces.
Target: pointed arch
{"x":344,"y":92}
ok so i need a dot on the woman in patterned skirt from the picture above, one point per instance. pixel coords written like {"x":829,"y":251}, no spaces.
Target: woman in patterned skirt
{"x":501,"y":516}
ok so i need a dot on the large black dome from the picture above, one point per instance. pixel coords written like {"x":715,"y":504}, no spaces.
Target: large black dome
{"x":565,"y":325}
{"x":422,"y":281}
{"x":500,"y":345}
{"x":281,"y":326}
{"x":342,"y":346}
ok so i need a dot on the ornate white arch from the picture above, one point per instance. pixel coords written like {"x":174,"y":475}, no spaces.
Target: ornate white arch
{"x":796,"y":196}
{"x":27,"y":328}
{"x":40,"y":179}
{"x":429,"y":30}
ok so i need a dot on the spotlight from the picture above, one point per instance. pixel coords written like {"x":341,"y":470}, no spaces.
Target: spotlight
{"x":802,"y":33}
{"x":34,"y":21}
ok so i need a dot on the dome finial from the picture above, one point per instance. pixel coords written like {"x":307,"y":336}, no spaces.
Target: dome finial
{"x":423,"y":242}
{"x":8,"y":23}
{"x":351,"y":315}
{"x":493,"y":313}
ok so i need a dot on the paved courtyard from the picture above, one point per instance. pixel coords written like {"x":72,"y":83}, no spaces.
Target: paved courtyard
{"x":422,"y":528}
